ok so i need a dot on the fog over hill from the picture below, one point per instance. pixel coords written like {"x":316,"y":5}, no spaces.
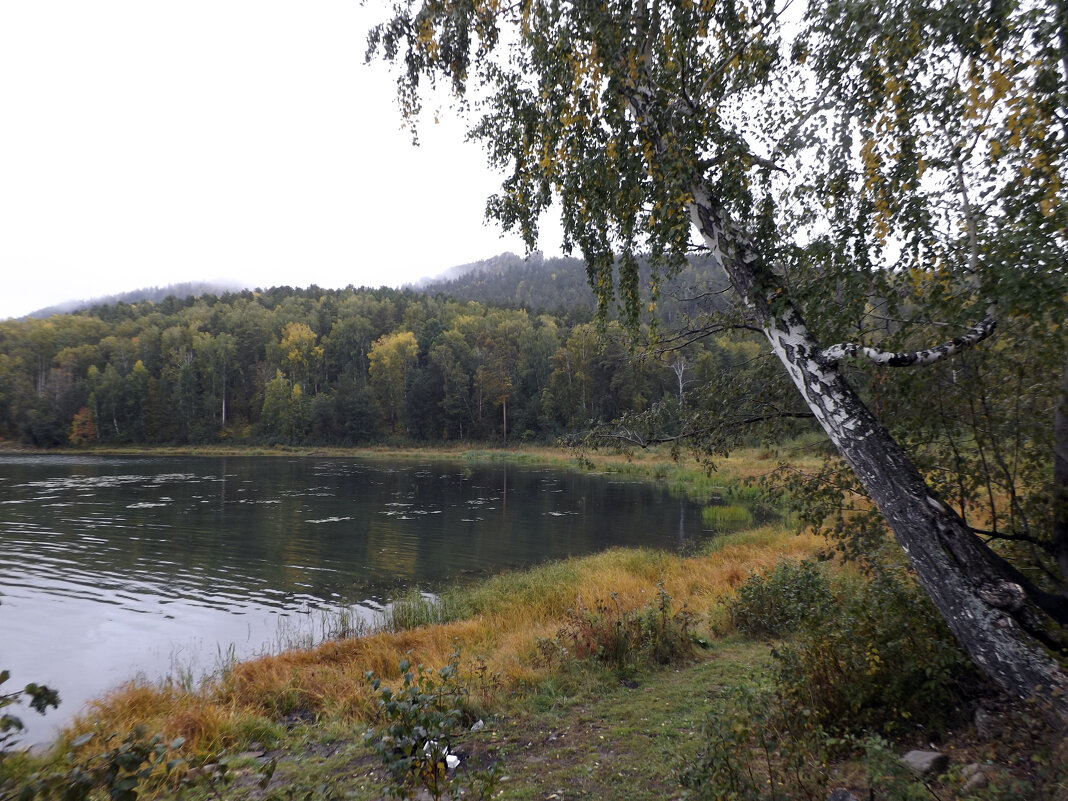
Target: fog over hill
{"x":153,"y":293}
{"x":494,"y":264}
{"x":537,"y":283}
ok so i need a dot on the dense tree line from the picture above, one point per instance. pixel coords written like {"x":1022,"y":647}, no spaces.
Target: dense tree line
{"x":326,"y":366}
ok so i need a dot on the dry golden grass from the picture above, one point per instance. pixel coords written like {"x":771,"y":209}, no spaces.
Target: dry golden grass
{"x":508,"y":614}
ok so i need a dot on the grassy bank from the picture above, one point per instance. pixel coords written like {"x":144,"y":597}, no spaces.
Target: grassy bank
{"x":544,"y":716}
{"x":504,"y":627}
{"x":499,"y":626}
{"x":559,"y":669}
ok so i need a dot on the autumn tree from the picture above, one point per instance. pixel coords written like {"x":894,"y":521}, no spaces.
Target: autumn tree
{"x":391,"y":357}
{"x":882,"y":183}
{"x":300,"y":353}
{"x":82,"y":428}
{"x":284,"y":414}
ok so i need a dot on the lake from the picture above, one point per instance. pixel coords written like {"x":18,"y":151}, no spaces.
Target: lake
{"x":114,"y":568}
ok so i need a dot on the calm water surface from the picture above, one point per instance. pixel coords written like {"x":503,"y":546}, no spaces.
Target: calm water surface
{"x":112,"y":568}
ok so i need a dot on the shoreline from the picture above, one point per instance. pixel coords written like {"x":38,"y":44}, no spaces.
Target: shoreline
{"x":498,"y":622}
{"x":683,"y":473}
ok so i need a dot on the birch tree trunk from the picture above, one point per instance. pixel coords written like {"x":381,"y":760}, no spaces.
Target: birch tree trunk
{"x":970,"y":586}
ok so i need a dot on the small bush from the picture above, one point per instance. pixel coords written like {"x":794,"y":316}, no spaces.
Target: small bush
{"x":667,"y":636}
{"x":123,"y":769}
{"x":416,"y":726}
{"x":776,"y":602}
{"x":752,"y":752}
{"x":626,"y":639}
{"x":750,"y":755}
{"x":40,"y":697}
{"x":879,"y":658}
{"x":866,"y":653}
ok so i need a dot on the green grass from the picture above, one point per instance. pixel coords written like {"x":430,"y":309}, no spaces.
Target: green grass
{"x":415,"y":608}
{"x":726,"y":517}
{"x":584,"y":735}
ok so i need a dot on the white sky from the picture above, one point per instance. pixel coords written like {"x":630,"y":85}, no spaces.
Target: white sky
{"x":149,"y":142}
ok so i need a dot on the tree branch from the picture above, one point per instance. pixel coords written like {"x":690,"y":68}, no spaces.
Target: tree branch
{"x":977,"y":333}
{"x":1002,"y":535}
{"x":782,"y":144}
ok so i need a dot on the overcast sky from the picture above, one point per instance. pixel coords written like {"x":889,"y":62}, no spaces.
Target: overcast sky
{"x":144,"y":143}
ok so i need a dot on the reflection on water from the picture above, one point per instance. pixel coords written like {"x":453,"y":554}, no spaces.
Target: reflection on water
{"x":111,"y":567}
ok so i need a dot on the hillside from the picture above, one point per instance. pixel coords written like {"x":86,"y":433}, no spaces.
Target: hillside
{"x":503,"y":351}
{"x":155,"y":294}
{"x":560,"y":285}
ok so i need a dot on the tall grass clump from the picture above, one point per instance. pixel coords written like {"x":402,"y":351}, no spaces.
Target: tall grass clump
{"x":416,"y":608}
{"x":726,"y":517}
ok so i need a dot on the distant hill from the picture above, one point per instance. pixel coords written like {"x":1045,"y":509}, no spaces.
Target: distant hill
{"x":500,"y":263}
{"x":153,"y":293}
{"x":560,"y":285}
{"x":557,"y":285}
{"x":535,"y":283}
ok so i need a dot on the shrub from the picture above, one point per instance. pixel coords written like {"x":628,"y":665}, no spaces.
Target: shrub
{"x":416,"y":726}
{"x":776,"y":602}
{"x":867,"y":653}
{"x":626,"y":639}
{"x":122,"y":769}
{"x":753,"y":752}
{"x":41,"y":697}
{"x":750,"y":755}
{"x":879,"y":658}
{"x":667,"y":636}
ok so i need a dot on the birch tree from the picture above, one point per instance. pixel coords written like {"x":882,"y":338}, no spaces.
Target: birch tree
{"x":391,"y":357}
{"x":881,"y":182}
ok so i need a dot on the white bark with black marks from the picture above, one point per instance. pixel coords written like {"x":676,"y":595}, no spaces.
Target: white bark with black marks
{"x":974,"y":335}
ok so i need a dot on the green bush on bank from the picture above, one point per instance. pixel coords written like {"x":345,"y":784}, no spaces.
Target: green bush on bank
{"x":866,"y":653}
{"x":751,"y":753}
{"x":881,"y":660}
{"x":863,"y":656}
{"x":778,"y":601}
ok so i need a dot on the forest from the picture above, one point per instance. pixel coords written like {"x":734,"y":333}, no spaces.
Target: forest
{"x":346,"y":366}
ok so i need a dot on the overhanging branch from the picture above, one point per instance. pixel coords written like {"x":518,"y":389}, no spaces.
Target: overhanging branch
{"x":625,"y":433}
{"x":977,"y":333}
